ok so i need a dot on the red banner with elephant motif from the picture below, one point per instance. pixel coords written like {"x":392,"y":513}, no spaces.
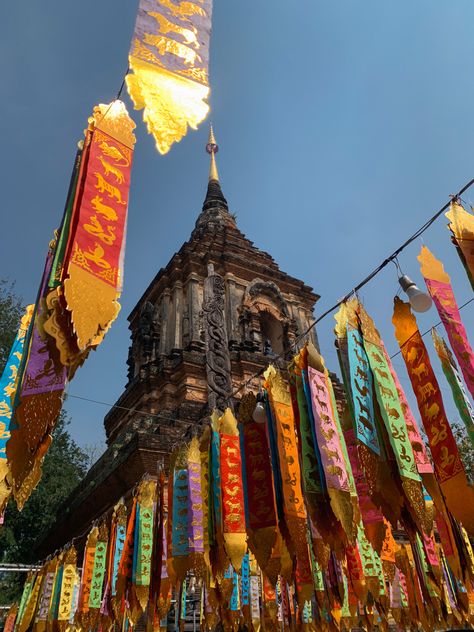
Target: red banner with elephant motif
{"x":447,"y":461}
{"x":438,"y":283}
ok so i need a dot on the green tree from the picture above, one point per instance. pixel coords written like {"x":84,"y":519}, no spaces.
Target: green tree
{"x":466,"y":449}
{"x":64,"y":467}
{"x":11,"y":311}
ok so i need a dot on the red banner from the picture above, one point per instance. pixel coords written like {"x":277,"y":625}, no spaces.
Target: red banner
{"x":447,"y":461}
{"x":103,"y":209}
{"x":259,"y":477}
{"x":442,"y":443}
{"x":233,"y":512}
{"x":439,"y":286}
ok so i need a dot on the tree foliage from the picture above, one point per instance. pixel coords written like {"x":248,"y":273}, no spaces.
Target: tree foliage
{"x":11,"y":311}
{"x":64,"y":467}
{"x":466,"y":449}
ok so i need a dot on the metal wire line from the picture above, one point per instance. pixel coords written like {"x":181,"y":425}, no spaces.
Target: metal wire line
{"x":392,"y":258}
{"x":143,"y":412}
{"x":428,"y":330}
{"x":369,"y":277}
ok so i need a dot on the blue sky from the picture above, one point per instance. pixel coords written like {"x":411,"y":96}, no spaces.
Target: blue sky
{"x":342,"y":127}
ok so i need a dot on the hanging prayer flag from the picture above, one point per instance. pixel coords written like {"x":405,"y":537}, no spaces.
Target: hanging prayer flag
{"x":93,"y":274}
{"x":245,"y":580}
{"x":423,"y":463}
{"x":447,"y":461}
{"x":195,"y":508}
{"x":330,"y":447}
{"x":309,"y":451}
{"x":218,"y":557}
{"x":30,"y":604}
{"x":67,"y":588}
{"x":169,"y":64}
{"x":371,"y":515}
{"x":362,"y":389}
{"x":87,"y":576}
{"x":260,"y":495}
{"x":204,"y":450}
{"x":54,"y":605}
{"x":8,"y":386}
{"x":45,"y":596}
{"x":77,"y":299}
{"x":98,"y":570}
{"x":461,"y":224}
{"x":438,"y":283}
{"x":392,"y":415}
{"x":119,"y":522}
{"x":180,"y":516}
{"x":142,"y":571}
{"x":125,"y":568}
{"x":24,"y":597}
{"x":255,"y":603}
{"x":233,"y":510}
{"x":11,"y":618}
{"x":294,"y":508}
{"x":356,"y":573}
{"x":64,"y":230}
{"x":451,"y":372}
{"x":387,"y":396}
{"x":38,"y":402}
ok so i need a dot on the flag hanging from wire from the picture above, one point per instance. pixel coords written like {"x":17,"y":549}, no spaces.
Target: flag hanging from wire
{"x":447,"y":461}
{"x":169,"y":67}
{"x":451,"y":372}
{"x":461,"y":224}
{"x":438,"y":283}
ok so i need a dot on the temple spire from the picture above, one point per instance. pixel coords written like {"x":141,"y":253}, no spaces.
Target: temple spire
{"x":214,"y":198}
{"x":212,"y":148}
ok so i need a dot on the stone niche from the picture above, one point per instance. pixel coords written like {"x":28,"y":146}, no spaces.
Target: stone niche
{"x":265,"y":321}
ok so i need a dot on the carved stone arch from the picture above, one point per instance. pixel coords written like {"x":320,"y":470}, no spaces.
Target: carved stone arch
{"x":266,"y":324}
{"x":258,"y":287}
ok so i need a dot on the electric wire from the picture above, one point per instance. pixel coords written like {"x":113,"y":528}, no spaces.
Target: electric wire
{"x":429,"y":330}
{"x":368,"y":278}
{"x":392,"y":258}
{"x":149,"y":414}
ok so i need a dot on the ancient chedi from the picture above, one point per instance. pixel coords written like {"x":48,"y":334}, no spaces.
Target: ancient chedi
{"x":220,"y":311}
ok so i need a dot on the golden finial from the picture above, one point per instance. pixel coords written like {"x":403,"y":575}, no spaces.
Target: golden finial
{"x":212,"y":148}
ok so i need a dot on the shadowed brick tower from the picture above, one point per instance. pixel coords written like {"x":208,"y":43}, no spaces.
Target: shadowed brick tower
{"x":253,"y":313}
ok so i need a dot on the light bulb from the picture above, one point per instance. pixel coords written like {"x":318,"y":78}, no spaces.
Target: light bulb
{"x":259,"y":414}
{"x":419,"y":300}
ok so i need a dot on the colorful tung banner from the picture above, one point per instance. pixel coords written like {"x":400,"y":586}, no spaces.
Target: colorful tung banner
{"x":232,"y":493}
{"x":439,"y":286}
{"x":92,"y":272}
{"x":447,"y":461}
{"x":461,"y":224}
{"x":331,"y":450}
{"x":38,"y":402}
{"x":169,"y":66}
{"x":262,"y":520}
{"x":391,"y":415}
{"x":77,"y":298}
{"x":328,"y":583}
{"x":8,"y":387}
{"x":451,"y":372}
